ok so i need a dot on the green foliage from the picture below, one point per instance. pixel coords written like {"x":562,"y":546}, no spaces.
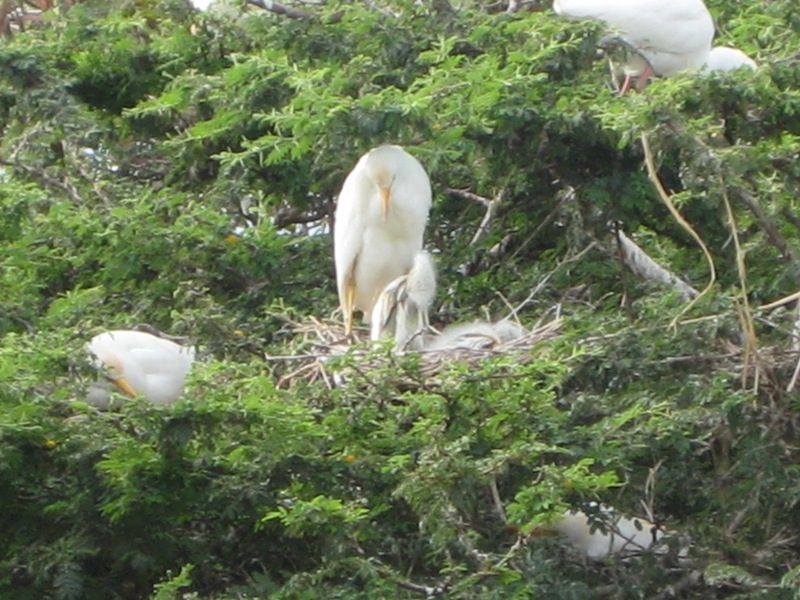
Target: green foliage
{"x":179,"y":168}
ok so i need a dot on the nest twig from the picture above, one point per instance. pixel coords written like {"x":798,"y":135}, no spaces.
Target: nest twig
{"x":323,"y":339}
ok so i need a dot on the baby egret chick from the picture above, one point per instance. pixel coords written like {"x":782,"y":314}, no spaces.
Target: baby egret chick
{"x":607,"y":533}
{"x":380,"y":220}
{"x":401,"y":310}
{"x":476,"y":336}
{"x":138,"y":364}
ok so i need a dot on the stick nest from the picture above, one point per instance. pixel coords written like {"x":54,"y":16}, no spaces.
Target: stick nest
{"x":320,"y":340}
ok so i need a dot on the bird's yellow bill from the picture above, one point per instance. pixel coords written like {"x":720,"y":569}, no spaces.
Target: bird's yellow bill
{"x":122,"y":384}
{"x":385,"y":198}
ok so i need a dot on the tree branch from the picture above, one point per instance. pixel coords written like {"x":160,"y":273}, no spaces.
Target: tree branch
{"x":491,"y":209}
{"x":42,"y":177}
{"x":638,"y":261}
{"x":767,"y":224}
{"x":653,"y":175}
{"x":424,"y":589}
{"x":281,"y":9}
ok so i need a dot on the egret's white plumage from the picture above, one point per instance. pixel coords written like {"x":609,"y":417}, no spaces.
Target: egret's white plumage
{"x":380,"y":220}
{"x":669,"y":36}
{"x":607,"y":533}
{"x":672,"y":35}
{"x":724,"y":58}
{"x":139,"y":364}
{"x":476,"y":336}
{"x":401,"y":310}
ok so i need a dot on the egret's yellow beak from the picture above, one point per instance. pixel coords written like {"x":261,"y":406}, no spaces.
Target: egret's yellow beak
{"x":385,"y":198}
{"x":122,"y":384}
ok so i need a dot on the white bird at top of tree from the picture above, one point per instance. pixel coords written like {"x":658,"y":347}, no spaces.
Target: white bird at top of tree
{"x":668,"y":36}
{"x":379,"y":223}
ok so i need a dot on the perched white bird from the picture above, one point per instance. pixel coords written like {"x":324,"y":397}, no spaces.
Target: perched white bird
{"x":401,"y":310}
{"x":476,"y":336}
{"x":669,"y":36}
{"x":201,"y":4}
{"x":139,"y":364}
{"x":380,"y":220}
{"x":607,"y":533}
{"x":724,"y":58}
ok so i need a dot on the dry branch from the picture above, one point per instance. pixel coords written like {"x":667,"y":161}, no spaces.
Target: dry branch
{"x":428,"y":591}
{"x":645,"y":267}
{"x":491,"y":209}
{"x":651,"y":172}
{"x":767,"y":224}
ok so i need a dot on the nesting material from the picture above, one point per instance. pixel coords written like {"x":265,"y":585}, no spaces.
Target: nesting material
{"x":323,"y":339}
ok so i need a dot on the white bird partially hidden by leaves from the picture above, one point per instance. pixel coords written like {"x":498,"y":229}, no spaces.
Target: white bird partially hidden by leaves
{"x":479,"y":335}
{"x":725,"y":58}
{"x":402,"y":309}
{"x":603,"y":532}
{"x":379,"y":224}
{"x":139,"y":364}
{"x":668,"y":36}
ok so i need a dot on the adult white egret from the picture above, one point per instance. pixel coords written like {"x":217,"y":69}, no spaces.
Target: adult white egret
{"x":138,"y":364}
{"x":401,"y":310}
{"x":607,"y":533}
{"x":380,"y":220}
{"x":667,"y":36}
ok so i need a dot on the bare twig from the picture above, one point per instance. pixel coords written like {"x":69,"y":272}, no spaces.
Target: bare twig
{"x":767,"y":224}
{"x":795,"y":376}
{"x":384,"y":11}
{"x":491,"y":209}
{"x":565,"y":196}
{"x":745,"y":314}
{"x":41,"y":176}
{"x":498,"y":503}
{"x":428,"y":591}
{"x":543,"y":282}
{"x":651,"y":172}
{"x":791,"y":217}
{"x":691,"y":579}
{"x":781,"y":301}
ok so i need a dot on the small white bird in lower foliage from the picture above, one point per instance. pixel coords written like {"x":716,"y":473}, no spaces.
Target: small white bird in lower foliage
{"x":401,"y":310}
{"x":138,"y":364}
{"x":606,"y":533}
